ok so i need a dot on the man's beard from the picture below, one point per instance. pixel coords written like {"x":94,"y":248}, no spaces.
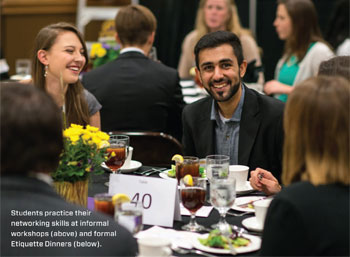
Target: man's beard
{"x":233,"y":90}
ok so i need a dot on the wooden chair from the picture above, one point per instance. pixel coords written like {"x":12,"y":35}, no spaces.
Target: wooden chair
{"x":153,"y":148}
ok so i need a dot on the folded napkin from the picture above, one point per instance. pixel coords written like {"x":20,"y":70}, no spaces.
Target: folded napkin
{"x":178,"y":238}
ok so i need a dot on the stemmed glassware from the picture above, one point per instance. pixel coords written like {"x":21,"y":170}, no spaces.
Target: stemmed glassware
{"x":222,"y":197}
{"x":217,"y":166}
{"x":193,"y":198}
{"x":117,"y":151}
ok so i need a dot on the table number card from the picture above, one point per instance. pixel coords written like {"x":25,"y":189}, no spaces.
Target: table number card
{"x":159,"y":197}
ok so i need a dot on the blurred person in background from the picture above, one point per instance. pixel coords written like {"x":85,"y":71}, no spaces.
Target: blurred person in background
{"x":296,"y":23}
{"x":31,"y":143}
{"x":310,"y":216}
{"x":136,"y":92}
{"x":60,"y":54}
{"x":215,"y":15}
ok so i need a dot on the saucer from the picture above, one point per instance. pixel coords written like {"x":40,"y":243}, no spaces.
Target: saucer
{"x":134,"y":165}
{"x":246,"y":188}
{"x":252,"y":224}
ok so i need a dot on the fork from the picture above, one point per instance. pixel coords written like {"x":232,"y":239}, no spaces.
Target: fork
{"x":151,"y":171}
{"x":186,"y":251}
{"x":238,"y":214}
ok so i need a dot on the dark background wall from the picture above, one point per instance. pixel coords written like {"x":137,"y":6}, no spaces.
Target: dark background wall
{"x":176,"y":19}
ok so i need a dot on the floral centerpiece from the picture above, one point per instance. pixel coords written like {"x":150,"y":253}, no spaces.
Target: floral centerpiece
{"x":84,"y":151}
{"x":102,"y":53}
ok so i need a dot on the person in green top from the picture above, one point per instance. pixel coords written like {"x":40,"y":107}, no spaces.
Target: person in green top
{"x":296,"y":23}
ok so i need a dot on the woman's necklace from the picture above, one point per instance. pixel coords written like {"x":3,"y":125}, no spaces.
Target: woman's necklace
{"x":292,"y":61}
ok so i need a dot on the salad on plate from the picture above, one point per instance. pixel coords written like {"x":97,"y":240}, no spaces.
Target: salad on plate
{"x":215,"y":239}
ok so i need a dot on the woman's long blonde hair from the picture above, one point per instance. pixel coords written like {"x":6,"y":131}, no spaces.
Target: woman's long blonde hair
{"x":317,"y":127}
{"x":76,"y":106}
{"x":233,"y":23}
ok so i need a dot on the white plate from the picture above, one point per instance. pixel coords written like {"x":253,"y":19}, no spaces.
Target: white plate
{"x":252,"y":224}
{"x":247,"y":188}
{"x":243,"y":200}
{"x":134,"y":165}
{"x":255,"y":243}
{"x":164,"y":175}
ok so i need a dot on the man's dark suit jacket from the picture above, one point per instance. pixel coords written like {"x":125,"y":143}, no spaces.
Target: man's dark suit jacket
{"x":260,"y":133}
{"x":137,"y":93}
{"x":30,"y":194}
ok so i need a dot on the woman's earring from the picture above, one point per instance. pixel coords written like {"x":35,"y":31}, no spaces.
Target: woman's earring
{"x":45,"y":71}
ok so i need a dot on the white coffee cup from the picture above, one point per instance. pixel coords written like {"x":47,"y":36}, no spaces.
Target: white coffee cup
{"x":240,"y":173}
{"x":261,"y":208}
{"x":154,"y":246}
{"x":128,"y":158}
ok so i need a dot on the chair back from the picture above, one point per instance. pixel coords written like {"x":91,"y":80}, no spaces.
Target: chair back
{"x":153,"y":148}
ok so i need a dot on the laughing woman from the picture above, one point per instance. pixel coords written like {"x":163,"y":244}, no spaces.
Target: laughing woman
{"x":60,"y":54}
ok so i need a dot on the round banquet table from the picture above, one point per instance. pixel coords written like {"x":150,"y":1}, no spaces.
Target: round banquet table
{"x":97,"y":185}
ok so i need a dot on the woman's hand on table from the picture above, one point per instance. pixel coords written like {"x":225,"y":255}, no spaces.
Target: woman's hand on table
{"x":276,"y":87}
{"x":263,"y":180}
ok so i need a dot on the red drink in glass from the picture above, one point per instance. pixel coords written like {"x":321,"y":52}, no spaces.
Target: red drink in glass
{"x":103,"y":203}
{"x":116,"y":160}
{"x":193,"y":198}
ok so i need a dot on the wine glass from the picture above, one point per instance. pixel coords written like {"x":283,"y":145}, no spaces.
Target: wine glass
{"x":117,"y":151}
{"x":193,"y":198}
{"x":222,"y":197}
{"x":217,"y":166}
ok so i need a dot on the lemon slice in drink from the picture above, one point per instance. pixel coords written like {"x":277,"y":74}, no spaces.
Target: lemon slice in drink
{"x":118,"y":199}
{"x":177,"y":158}
{"x":188,"y":180}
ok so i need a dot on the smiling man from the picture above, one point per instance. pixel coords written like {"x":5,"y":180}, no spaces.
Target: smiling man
{"x":234,"y":120}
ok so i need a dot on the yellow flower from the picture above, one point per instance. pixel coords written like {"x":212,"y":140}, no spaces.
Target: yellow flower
{"x":79,"y":127}
{"x":73,"y":163}
{"x":96,"y":141}
{"x":74,"y":139}
{"x":103,"y":144}
{"x":101,"y":52}
{"x":94,"y":49}
{"x":88,"y":168}
{"x":91,"y":128}
{"x":113,"y":154}
{"x":102,"y":135}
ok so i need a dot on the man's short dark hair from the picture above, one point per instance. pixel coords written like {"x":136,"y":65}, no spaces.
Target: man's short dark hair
{"x":218,"y":38}
{"x":336,"y":66}
{"x":31,"y":130}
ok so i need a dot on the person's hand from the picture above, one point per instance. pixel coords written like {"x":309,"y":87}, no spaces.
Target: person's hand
{"x":271,"y":87}
{"x":276,"y":87}
{"x":263,"y":180}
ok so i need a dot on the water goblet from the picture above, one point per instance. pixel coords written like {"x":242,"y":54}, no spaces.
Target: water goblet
{"x":129,"y":215}
{"x":193,"y":198}
{"x":217,"y":166}
{"x":117,"y":151}
{"x":222,"y":197}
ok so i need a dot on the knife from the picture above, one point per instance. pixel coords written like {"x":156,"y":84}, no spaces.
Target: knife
{"x":244,"y":205}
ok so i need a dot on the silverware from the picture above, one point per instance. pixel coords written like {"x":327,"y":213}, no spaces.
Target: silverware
{"x":186,"y":251}
{"x":243,"y":205}
{"x":238,"y":214}
{"x":152,"y":171}
{"x":241,"y":231}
